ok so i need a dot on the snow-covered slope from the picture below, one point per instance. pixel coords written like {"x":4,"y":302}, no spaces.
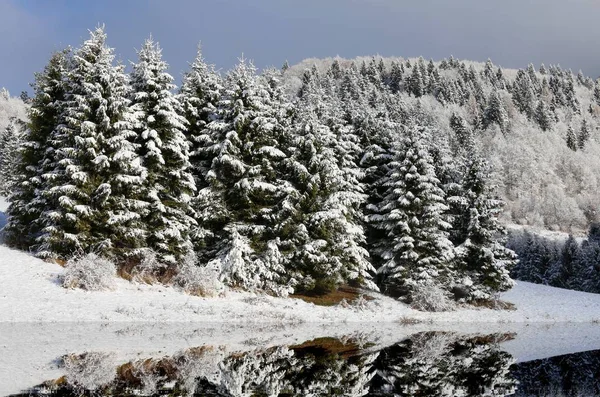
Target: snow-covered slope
{"x":31,"y":293}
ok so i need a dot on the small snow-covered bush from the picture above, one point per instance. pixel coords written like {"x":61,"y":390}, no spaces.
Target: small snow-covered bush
{"x":198,"y":280}
{"x":430,"y":298}
{"x":90,"y":272}
{"x":90,"y":371}
{"x":148,"y":268}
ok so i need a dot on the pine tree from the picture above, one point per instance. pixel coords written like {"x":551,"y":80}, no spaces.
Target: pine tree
{"x":416,"y":85}
{"x":483,"y":262}
{"x":199,"y":96}
{"x":495,"y":112}
{"x":571,"y":139}
{"x":543,"y":116}
{"x":28,"y":200}
{"x":584,"y":135}
{"x":324,"y":240}
{"x":92,"y":188}
{"x":563,"y":273}
{"x":416,"y":251}
{"x":242,"y":207}
{"x":524,"y":94}
{"x":10,"y":156}
{"x":163,"y":148}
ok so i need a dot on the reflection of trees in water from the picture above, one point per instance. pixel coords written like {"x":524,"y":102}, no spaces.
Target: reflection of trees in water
{"x":441,"y":364}
{"x":569,"y":375}
{"x":427,"y":364}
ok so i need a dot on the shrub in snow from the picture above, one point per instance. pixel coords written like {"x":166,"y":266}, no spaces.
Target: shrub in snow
{"x":90,"y":371}
{"x":198,"y":280}
{"x":89,"y":272}
{"x":149,"y":267}
{"x":431,"y":298}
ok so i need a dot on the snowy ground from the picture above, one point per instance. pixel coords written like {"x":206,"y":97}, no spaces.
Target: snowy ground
{"x":31,"y":292}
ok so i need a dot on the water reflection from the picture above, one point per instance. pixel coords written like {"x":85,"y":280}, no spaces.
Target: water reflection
{"x":426,"y":364}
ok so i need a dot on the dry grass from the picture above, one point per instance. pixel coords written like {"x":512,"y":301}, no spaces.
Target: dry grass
{"x":347,"y":293}
{"x":494,"y":304}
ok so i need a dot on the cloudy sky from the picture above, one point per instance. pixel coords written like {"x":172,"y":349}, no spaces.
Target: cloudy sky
{"x":512,"y":33}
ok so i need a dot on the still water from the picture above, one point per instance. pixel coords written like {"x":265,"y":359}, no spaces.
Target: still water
{"x":419,"y":362}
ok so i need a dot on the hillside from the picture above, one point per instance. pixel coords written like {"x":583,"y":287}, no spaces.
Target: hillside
{"x":543,"y":181}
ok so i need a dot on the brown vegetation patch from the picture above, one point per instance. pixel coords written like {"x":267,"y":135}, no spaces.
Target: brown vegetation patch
{"x":327,"y":346}
{"x":494,"y":304}
{"x":347,"y":293}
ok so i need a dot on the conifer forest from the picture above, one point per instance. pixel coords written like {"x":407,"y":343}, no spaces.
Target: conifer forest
{"x":390,"y":174}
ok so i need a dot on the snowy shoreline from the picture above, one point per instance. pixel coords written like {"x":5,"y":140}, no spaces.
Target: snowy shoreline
{"x":31,"y":292}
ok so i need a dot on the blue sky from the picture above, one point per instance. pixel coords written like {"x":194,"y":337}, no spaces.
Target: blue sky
{"x":512,"y":33}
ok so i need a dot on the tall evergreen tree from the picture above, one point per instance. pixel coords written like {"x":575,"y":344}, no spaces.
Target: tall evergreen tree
{"x":571,"y":139}
{"x":162,"y":146}
{"x":10,"y":155}
{"x":199,"y":96}
{"x":324,"y":241}
{"x":483,"y":262}
{"x":495,"y":112}
{"x":584,"y":135}
{"x":240,"y":208}
{"x":92,"y":188}
{"x":27,"y":200}
{"x":543,"y":116}
{"x":416,"y":251}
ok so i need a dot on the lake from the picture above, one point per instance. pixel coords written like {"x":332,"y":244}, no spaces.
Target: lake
{"x":309,"y":359}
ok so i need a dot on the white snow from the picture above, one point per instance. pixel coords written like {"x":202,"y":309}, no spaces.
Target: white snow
{"x":31,"y":292}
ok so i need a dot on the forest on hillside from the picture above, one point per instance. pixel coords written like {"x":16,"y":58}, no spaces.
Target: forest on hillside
{"x":390,"y":174}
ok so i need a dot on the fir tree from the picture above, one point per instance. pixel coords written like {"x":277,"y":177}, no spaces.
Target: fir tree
{"x":543,"y":116}
{"x":240,"y":208}
{"x":199,"y":96}
{"x":324,"y":240}
{"x":495,"y":112}
{"x":163,"y":148}
{"x":28,"y":201}
{"x":483,"y":262}
{"x":571,"y":139}
{"x":584,"y":135}
{"x":415,"y":251}
{"x":10,"y":156}
{"x":92,"y":188}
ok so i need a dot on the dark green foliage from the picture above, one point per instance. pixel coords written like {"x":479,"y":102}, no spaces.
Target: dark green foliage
{"x":37,"y":155}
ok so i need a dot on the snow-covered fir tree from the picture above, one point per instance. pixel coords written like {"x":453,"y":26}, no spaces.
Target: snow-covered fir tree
{"x":323,"y":240}
{"x":237,"y":210}
{"x":163,"y":148}
{"x":483,"y":262}
{"x":93,"y":187}
{"x":27,"y":199}
{"x":199,"y":96}
{"x":416,"y":251}
{"x":10,"y":156}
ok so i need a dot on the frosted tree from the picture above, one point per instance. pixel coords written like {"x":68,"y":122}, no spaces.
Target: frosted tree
{"x":324,"y":242}
{"x":483,"y":262}
{"x":92,"y":188}
{"x":10,"y":156}
{"x":584,"y":135}
{"x":543,"y":116}
{"x":415,"y":251}
{"x":571,"y":139}
{"x":523,"y":94}
{"x":239,"y":208}
{"x":199,"y":96}
{"x":28,"y":200}
{"x":495,"y":112}
{"x":162,"y":146}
